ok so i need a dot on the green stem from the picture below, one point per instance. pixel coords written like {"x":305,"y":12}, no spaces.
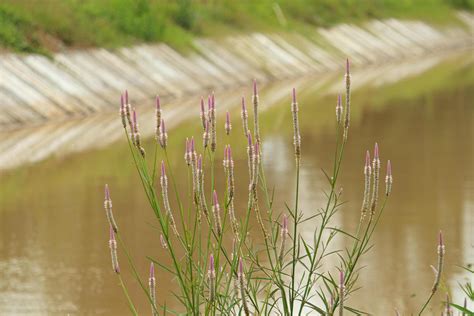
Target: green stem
{"x":295,"y":238}
{"x":426,"y":303}
{"x":333,"y":181}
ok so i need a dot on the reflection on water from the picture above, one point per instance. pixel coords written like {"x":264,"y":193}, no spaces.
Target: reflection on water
{"x":54,"y":255}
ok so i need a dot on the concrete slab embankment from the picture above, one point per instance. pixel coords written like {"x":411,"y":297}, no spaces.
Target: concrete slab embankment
{"x":35,"y":89}
{"x":31,"y":144}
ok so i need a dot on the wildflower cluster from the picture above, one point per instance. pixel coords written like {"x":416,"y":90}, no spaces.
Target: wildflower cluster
{"x":269,"y":268}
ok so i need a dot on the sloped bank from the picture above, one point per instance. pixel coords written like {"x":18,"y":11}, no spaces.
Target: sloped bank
{"x":34,"y":89}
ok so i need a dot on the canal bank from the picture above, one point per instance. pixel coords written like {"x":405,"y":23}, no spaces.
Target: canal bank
{"x":35,"y":90}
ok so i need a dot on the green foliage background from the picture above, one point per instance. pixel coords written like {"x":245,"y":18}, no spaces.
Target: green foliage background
{"x":43,"y":26}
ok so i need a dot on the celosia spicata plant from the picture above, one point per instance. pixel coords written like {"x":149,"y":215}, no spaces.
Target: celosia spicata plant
{"x":276,"y":273}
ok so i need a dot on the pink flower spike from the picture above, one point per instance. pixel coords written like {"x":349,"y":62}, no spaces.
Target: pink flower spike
{"x":347,"y":66}
{"x":213,"y":100}
{"x":191,"y":146}
{"x":229,"y":153}
{"x":244,"y":109}
{"x":216,"y":202}
{"x":441,"y":243}
{"x":285,"y":224}
{"x":249,"y":139}
{"x":107,"y":192}
{"x":163,"y":171}
{"x":209,"y":102}
{"x":199,"y":163}
{"x":367,"y":158}
{"x":152,"y":270}
{"x":227,"y":118}
{"x":241,"y":266}
{"x":163,"y":127}
{"x":257,"y":149}
{"x":126,"y":96}
{"x":389,"y":169}
{"x":255,"y":91}
{"x":294,"y":95}
{"x":158,"y":104}
{"x":122,"y":104}
{"x":211,"y":263}
{"x":376,"y":151}
{"x":202,"y":106}
{"x":339,"y":102}
{"x":134,"y":118}
{"x":225,"y":152}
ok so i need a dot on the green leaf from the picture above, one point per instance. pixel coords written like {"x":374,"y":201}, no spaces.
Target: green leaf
{"x":462,"y":309}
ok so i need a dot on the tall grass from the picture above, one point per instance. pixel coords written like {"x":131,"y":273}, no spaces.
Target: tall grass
{"x":221,"y":264}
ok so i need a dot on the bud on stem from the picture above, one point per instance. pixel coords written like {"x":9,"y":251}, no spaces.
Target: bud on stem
{"x":113,"y":251}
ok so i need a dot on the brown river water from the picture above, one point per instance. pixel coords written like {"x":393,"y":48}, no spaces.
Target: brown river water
{"x":54,"y":255}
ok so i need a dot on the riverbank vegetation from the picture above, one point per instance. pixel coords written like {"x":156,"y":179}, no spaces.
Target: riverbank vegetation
{"x":52,"y":25}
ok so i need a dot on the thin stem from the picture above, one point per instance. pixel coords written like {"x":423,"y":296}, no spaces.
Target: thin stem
{"x":333,"y":181}
{"x":426,"y":303}
{"x":295,"y":238}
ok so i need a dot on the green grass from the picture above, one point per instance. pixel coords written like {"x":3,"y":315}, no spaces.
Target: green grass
{"x":43,"y":26}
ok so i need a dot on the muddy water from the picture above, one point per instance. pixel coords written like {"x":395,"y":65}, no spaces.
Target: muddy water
{"x":54,"y":255}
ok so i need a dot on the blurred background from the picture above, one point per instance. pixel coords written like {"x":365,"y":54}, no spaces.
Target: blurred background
{"x":64,"y":64}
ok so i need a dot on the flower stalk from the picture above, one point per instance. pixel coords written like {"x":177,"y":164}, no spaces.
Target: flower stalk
{"x":376,"y":179}
{"x":296,"y":128}
{"x":166,"y":202}
{"x":108,"y":209}
{"x":212,"y":120}
{"x":211,"y":273}
{"x":152,"y":288}
{"x":339,"y":109}
{"x":243,"y":288}
{"x":255,"y":102}
{"x":283,"y":236}
{"x":202,"y":114}
{"x":216,"y":212}
{"x":342,"y":289}
{"x":245,"y":116}
{"x":367,"y":179}
{"x":227,"y":125}
{"x":113,"y":251}
{"x":157,"y":118}
{"x":388,"y":179}
{"x":163,"y":136}
{"x":348,"y":100}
